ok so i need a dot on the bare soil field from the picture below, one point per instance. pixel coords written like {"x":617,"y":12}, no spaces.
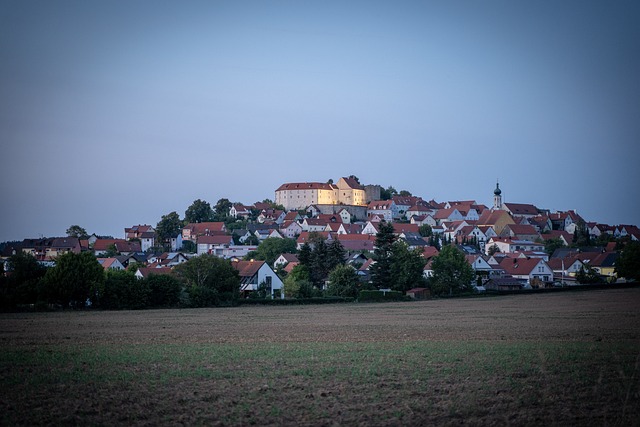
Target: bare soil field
{"x":570,"y":358}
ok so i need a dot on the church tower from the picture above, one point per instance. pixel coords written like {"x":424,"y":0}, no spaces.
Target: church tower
{"x":497,"y":197}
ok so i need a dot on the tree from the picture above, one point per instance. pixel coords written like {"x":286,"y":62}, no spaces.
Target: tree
{"x":169,"y":226}
{"x":381,"y":269}
{"x":292,"y":282}
{"x":628,"y":264}
{"x":209,"y":280}
{"x":304,"y":255}
{"x":405,"y":193}
{"x":189,"y":246}
{"x":77,"y":231}
{"x":164,"y":290}
{"x":493,"y":249}
{"x":199,"y":211}
{"x":271,"y":248}
{"x":407,"y":267}
{"x":388,"y":193}
{"x":425,"y":230}
{"x":451,"y":272}
{"x":343,"y":282}
{"x":23,"y":283}
{"x":588,"y":275}
{"x":76,"y":279}
{"x":551,"y":245}
{"x":581,"y":236}
{"x":122,"y":290}
{"x":335,"y":254}
{"x":222,"y":208}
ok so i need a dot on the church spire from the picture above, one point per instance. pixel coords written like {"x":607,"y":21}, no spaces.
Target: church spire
{"x":497,"y":197}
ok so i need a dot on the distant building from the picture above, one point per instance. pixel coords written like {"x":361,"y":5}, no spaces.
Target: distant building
{"x":300,"y":195}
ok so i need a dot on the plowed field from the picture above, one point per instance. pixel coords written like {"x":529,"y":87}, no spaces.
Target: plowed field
{"x":570,"y":358}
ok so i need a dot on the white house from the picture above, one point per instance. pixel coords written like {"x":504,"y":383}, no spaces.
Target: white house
{"x":529,"y":269}
{"x":110,"y":264}
{"x":256,"y":273}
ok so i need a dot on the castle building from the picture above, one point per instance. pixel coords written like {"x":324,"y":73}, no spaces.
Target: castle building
{"x":300,"y":195}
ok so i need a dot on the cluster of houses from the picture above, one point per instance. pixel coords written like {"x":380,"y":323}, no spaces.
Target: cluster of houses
{"x":504,"y":244}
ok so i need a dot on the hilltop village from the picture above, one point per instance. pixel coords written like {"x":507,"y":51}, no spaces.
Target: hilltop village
{"x":509,"y":246}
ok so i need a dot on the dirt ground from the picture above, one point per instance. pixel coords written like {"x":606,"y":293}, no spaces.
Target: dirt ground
{"x":324,"y":381}
{"x":603,"y":315}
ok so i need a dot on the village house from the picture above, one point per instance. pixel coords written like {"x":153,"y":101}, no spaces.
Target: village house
{"x":285,"y":259}
{"x":192,"y":231}
{"x":256,"y":273}
{"x":520,"y":232}
{"x":386,"y":209}
{"x":291,"y":229}
{"x":136,"y":231}
{"x":110,"y":264}
{"x":530,"y":270}
{"x":508,"y":245}
{"x":214,"y":245}
{"x":238,"y":210}
{"x":121,"y":246}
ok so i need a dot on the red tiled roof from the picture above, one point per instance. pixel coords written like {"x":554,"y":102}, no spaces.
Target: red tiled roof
{"x":247,"y":268}
{"x":521,"y":209}
{"x":305,"y":186}
{"x":519,"y":266}
{"x":215,"y":240}
{"x":202,"y":228}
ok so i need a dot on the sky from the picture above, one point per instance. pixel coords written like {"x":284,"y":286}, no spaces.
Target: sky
{"x":115,"y":113}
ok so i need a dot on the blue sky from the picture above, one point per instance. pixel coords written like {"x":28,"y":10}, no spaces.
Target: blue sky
{"x":115,"y":113}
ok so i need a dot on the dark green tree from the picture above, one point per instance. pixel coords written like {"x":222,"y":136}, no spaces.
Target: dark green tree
{"x":319,"y":269}
{"x":343,"y":282}
{"x":407,"y":267}
{"x":335,"y":254}
{"x":122,"y":290}
{"x":550,"y":245}
{"x":77,"y":231}
{"x":588,"y":275}
{"x":170,"y":226}
{"x":425,"y":230}
{"x":76,"y":279}
{"x":434,"y":241}
{"x":628,"y":264}
{"x":221,"y":210}
{"x":451,"y":272}
{"x":209,"y":280}
{"x":388,"y":193}
{"x":164,"y":290}
{"x":22,"y":285}
{"x":381,"y":269}
{"x":199,"y":211}
{"x":493,"y":249}
{"x":581,"y":236}
{"x":304,"y":255}
{"x":189,"y":246}
{"x":405,"y":193}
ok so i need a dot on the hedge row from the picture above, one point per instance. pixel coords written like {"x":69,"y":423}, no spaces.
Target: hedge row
{"x":295,"y":301}
{"x":366,"y":296}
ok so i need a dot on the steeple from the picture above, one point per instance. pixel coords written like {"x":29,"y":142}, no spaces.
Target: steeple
{"x":497,"y":197}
